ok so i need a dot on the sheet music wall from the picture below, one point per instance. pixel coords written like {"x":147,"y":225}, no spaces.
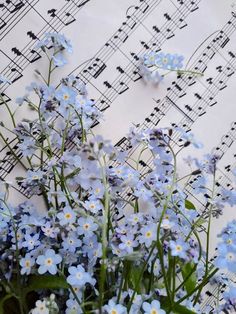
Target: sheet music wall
{"x":108,"y":37}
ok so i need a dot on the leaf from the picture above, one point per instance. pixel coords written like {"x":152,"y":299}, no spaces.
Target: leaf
{"x":191,"y":282}
{"x":3,"y":300}
{"x":45,"y":282}
{"x":189,"y":205}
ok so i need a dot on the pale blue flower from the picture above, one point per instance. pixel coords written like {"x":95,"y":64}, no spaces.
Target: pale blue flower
{"x":179,"y":248}
{"x":164,"y":60}
{"x":73,"y":307}
{"x":148,"y":234}
{"x":31,"y":241}
{"x":67,"y":216}
{"x":86,"y":227}
{"x":48,"y":262}
{"x":153,"y":308}
{"x":71,"y":242}
{"x":113,"y":308}
{"x":150,"y":58}
{"x":26,"y":264}
{"x":78,"y":276}
{"x":59,"y":60}
{"x":226,"y":258}
{"x":66,"y":95}
{"x":177,"y":62}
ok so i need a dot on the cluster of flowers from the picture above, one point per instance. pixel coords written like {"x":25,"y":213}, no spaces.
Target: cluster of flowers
{"x":112,"y":239}
{"x":154,"y":66}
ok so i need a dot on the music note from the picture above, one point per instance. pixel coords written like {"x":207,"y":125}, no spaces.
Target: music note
{"x":16,"y":7}
{"x":96,"y":68}
{"x":17,"y":74}
{"x":2,"y":23}
{"x":67,"y":19}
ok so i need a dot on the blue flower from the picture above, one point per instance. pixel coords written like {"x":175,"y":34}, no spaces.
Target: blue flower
{"x":113,"y":308}
{"x":86,"y":226}
{"x":164,"y":60}
{"x":31,"y":241}
{"x":73,"y":307}
{"x":67,"y":216}
{"x":153,"y":308}
{"x":48,"y":262}
{"x":148,"y":234}
{"x":78,"y":276}
{"x":226,"y":258}
{"x":150,"y":58}
{"x":58,"y":41}
{"x":66,"y":95}
{"x":230,"y":295}
{"x":93,"y":205}
{"x":59,"y":60}
{"x":71,"y":242}
{"x":26,"y":264}
{"x":177,"y":62}
{"x":128,"y":243}
{"x":189,"y":137}
{"x":179,"y":248}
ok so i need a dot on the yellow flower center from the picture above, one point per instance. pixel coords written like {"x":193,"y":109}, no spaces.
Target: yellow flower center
{"x":148,"y":234}
{"x":66,"y":96}
{"x":179,"y":248}
{"x":86,"y":226}
{"x":67,"y":216}
{"x":114,"y":311}
{"x":27,"y":264}
{"x":49,"y":261}
{"x":154,"y":311}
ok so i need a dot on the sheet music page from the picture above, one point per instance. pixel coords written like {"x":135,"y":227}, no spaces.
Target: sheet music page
{"x":109,"y":37}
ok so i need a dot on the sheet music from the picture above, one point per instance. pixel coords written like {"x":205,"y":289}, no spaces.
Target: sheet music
{"x":109,"y":37}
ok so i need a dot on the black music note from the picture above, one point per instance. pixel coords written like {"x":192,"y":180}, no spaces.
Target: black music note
{"x":136,"y":58}
{"x":18,"y":53}
{"x":122,"y":88}
{"x":211,"y":102}
{"x":135,"y":76}
{"x":2,"y":23}
{"x":131,"y":23}
{"x":193,"y":6}
{"x":78,"y":5}
{"x":16,"y":7}
{"x":145,"y":45}
{"x":143,"y":7}
{"x":122,"y":35}
{"x":102,"y":104}
{"x":169,"y":33}
{"x":226,"y":140}
{"x":96,"y":68}
{"x":68,"y":18}
{"x":5,"y":98}
{"x":181,"y":23}
{"x":32,"y":35}
{"x":209,"y":53}
{"x":17,"y":74}
{"x":201,"y":66}
{"x":201,"y":111}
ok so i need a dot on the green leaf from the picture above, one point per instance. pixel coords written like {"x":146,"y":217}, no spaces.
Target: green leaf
{"x":189,"y":205}
{"x":191,"y":280}
{"x":45,"y":282}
